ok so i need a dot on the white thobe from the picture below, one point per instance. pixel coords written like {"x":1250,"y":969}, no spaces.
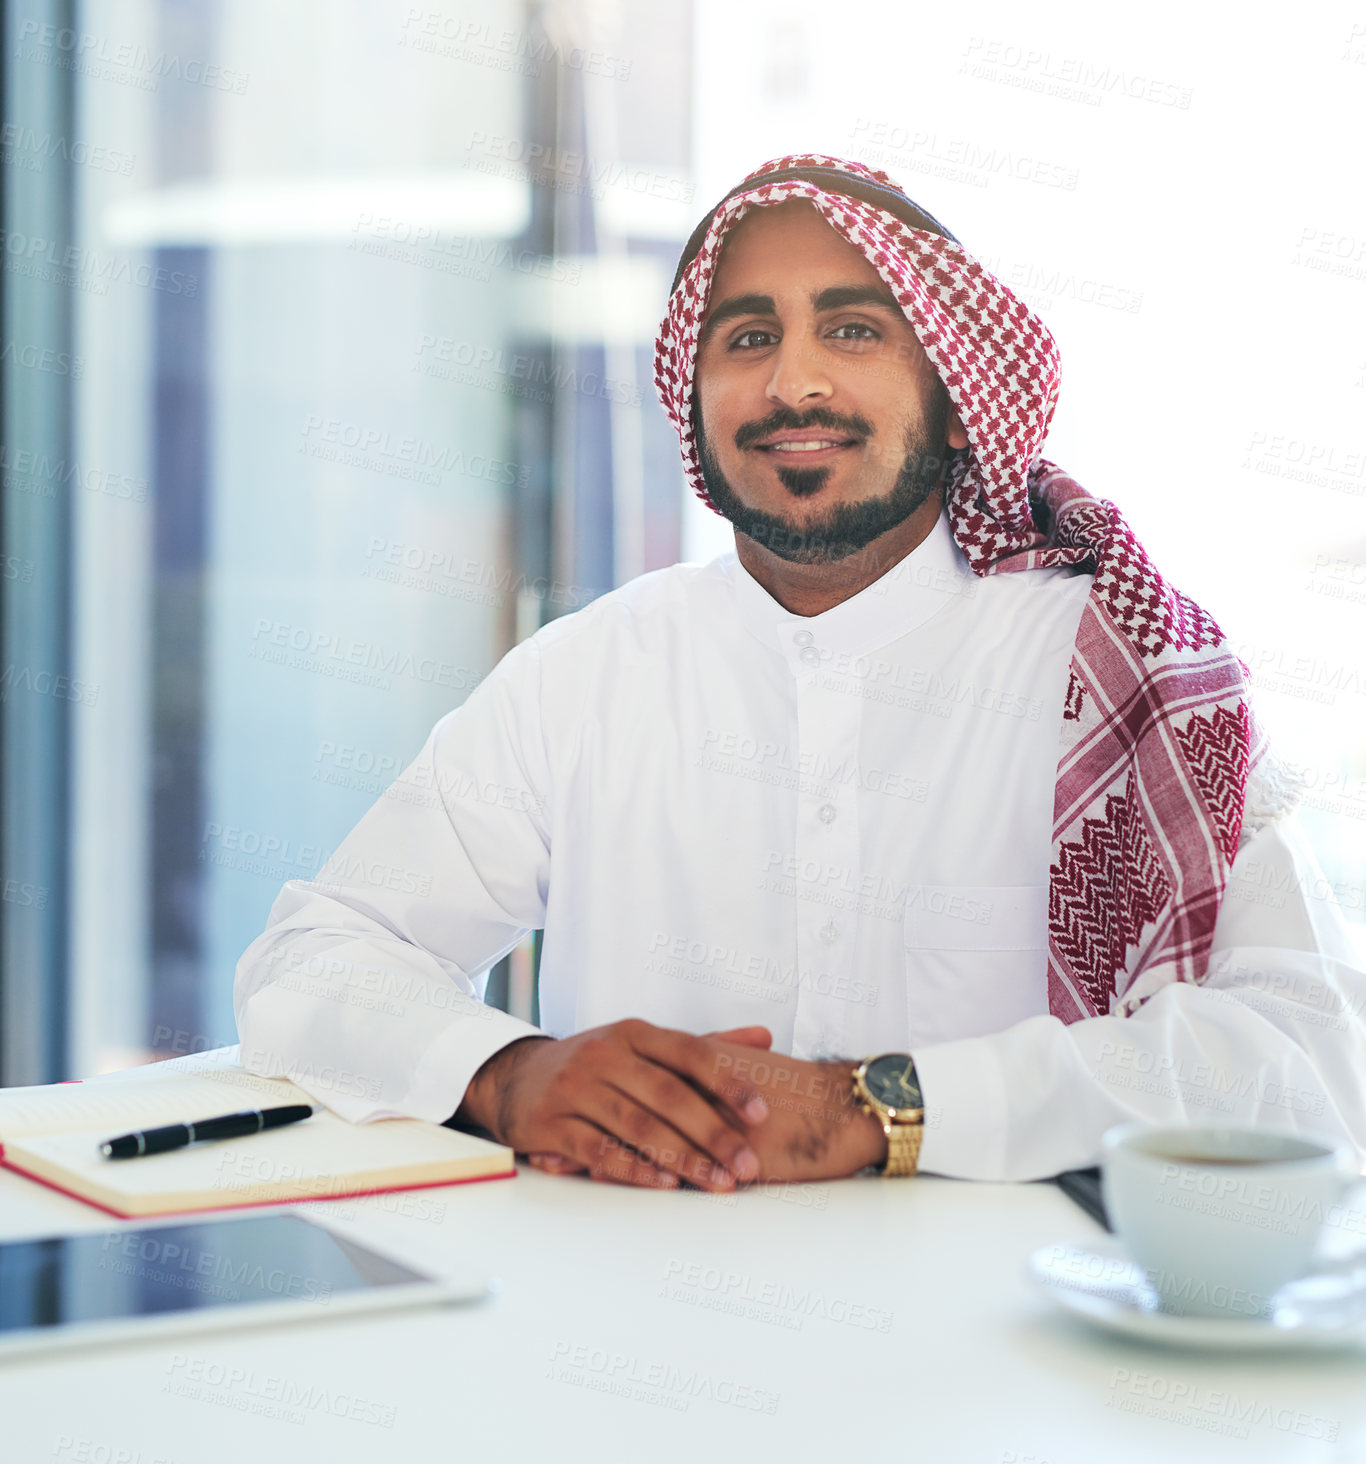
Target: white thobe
{"x":836,"y":826}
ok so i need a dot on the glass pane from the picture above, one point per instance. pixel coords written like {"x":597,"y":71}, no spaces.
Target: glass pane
{"x":365,"y":297}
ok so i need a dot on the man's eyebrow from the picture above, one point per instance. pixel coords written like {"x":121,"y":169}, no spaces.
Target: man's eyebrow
{"x":839,"y":296}
{"x":738,"y":305}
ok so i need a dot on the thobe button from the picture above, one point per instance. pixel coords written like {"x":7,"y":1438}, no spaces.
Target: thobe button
{"x":829,"y":932}
{"x":809,"y":656}
{"x":803,"y":638}
{"x":826,"y":813}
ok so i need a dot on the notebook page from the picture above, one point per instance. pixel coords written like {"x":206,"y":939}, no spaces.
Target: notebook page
{"x":149,"y":1101}
{"x":324,"y":1156}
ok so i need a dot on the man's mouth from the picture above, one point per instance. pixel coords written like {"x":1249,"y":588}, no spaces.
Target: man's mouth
{"x":806,"y":444}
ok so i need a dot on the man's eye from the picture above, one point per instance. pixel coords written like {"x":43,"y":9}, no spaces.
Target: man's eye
{"x":747,"y":335}
{"x":856,"y":325}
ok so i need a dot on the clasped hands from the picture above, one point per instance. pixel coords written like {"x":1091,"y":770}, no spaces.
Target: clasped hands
{"x":645,"y":1105}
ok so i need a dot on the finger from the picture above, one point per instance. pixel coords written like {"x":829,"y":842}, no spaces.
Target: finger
{"x":646,"y":1134}
{"x":554,"y":1163}
{"x":687,"y":1122}
{"x":700,"y":1060}
{"x":628,"y":1098}
{"x":605,"y":1157}
{"x":747,"y":1036}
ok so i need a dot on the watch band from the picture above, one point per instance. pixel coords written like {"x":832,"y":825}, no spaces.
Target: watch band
{"x":903,"y":1148}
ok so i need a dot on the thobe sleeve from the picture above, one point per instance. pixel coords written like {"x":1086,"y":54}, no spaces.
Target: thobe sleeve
{"x":1273,"y":1036}
{"x":366,"y":985}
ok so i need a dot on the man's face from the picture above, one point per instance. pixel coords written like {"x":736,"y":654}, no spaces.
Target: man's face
{"x":821,"y":423}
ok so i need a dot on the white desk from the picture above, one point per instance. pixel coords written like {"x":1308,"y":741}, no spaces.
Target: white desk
{"x":973,"y":1364}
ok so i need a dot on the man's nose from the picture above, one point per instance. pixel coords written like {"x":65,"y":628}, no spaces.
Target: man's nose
{"x":799,"y":377}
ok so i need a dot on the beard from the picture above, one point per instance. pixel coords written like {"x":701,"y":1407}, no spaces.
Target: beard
{"x":848,"y":527}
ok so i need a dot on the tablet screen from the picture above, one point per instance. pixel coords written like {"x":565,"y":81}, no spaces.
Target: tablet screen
{"x":177,"y":1268}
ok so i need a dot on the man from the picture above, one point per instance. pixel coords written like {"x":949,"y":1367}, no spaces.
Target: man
{"x":935,"y":770}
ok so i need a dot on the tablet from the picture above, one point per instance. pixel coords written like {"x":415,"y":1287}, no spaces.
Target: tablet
{"x":156,"y":1280}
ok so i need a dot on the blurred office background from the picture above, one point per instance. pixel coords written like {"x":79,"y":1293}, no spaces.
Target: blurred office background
{"x":326,"y":378}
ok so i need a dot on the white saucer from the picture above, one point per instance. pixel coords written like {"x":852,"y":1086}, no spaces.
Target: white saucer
{"x":1099,"y":1282}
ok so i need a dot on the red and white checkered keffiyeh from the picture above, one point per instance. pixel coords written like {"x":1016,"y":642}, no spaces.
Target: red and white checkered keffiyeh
{"x":1158,"y":736}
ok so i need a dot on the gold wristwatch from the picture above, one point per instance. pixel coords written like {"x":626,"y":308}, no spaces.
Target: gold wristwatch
{"x":887,"y":1087}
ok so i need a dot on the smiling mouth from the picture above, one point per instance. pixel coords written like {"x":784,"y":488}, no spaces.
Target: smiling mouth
{"x":813,"y":446}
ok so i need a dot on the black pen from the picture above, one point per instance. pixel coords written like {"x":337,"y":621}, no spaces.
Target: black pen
{"x":179,"y":1135}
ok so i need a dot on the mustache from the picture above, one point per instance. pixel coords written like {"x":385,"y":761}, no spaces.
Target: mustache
{"x":785,"y":420}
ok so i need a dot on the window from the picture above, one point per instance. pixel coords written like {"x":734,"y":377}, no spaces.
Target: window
{"x":330,"y":380}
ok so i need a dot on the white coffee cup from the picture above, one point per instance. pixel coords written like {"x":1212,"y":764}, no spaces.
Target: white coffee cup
{"x":1221,"y":1218}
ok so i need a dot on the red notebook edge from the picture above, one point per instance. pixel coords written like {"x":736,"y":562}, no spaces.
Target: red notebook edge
{"x":393,"y":1189}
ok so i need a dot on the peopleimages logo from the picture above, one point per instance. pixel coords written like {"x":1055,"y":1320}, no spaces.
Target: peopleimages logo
{"x":172,"y":1258}
{"x":23,"y":146}
{"x":89,"y":265}
{"x":516,"y":374}
{"x":1069,"y":78}
{"x":765,"y":1299}
{"x":482,"y":44}
{"x":329,"y":654}
{"x":1239,"y":1190}
{"x":271,"y":1395}
{"x":424,"y":566}
{"x":41,"y":358}
{"x":1215,"y":1410}
{"x":46,"y":683}
{"x":957,"y":159}
{"x":567,"y":165}
{"x":649,"y":1380}
{"x":27,"y":471}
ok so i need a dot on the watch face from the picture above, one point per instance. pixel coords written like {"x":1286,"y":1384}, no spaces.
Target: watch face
{"x":891,"y":1080}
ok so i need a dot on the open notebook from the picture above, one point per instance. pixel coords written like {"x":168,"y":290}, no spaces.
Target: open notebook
{"x":53,"y":1134}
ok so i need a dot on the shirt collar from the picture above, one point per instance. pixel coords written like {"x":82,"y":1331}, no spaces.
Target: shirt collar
{"x":918,"y":586}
